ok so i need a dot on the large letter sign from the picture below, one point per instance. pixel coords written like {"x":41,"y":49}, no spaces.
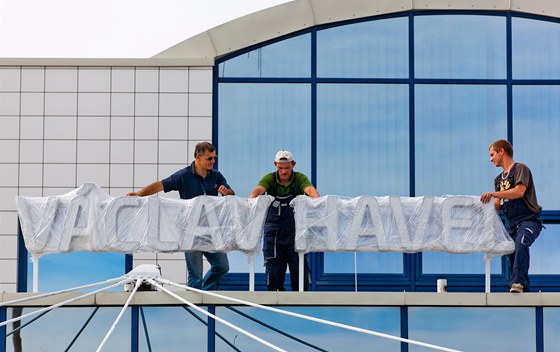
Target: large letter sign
{"x":87,"y":219}
{"x":454,"y":224}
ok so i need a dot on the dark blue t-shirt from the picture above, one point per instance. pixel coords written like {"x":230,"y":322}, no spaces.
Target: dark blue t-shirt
{"x":190,"y":184}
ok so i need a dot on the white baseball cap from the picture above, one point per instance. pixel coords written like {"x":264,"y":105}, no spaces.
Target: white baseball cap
{"x":283,"y":156}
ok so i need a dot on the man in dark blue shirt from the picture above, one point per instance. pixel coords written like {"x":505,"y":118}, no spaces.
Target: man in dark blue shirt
{"x":198,"y":179}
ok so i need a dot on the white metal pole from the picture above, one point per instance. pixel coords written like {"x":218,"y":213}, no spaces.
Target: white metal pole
{"x":355,"y":272}
{"x":301,"y":270}
{"x":487,"y":275}
{"x":251,"y":273}
{"x":35,"y":273}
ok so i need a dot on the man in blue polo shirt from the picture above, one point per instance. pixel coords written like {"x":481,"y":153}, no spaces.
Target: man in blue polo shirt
{"x":198,"y":179}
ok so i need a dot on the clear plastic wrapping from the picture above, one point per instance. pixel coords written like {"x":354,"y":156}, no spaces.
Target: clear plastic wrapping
{"x":87,"y":219}
{"x":453,"y":224}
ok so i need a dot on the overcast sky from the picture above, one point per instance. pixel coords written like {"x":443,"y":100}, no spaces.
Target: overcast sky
{"x":110,"y":28}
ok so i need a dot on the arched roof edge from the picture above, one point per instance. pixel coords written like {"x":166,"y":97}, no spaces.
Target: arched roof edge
{"x":298,"y":15}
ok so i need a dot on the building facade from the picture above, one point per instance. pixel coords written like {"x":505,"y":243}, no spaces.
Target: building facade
{"x":381,"y":98}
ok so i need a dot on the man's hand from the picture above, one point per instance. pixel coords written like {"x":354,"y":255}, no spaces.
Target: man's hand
{"x":486,"y":197}
{"x":224,"y":191}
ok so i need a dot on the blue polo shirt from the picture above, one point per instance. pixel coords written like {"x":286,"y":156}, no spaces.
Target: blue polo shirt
{"x":190,"y":184}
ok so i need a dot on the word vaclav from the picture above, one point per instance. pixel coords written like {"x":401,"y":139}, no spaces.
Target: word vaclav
{"x":454,"y":224}
{"x":90,"y":220}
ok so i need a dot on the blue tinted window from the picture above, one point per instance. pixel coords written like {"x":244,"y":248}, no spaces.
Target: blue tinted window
{"x":535,"y":49}
{"x":287,"y":58}
{"x":362,"y":128}
{"x":545,"y":247}
{"x":551,"y":320}
{"x":62,"y":271}
{"x":473,"y":329}
{"x":363,"y":263}
{"x":454,"y":126}
{"x":257,"y":120}
{"x":368,"y":49}
{"x":326,"y":337}
{"x":460,"y":46}
{"x":536,"y":131}
{"x":446,"y":263}
{"x":172,"y":328}
{"x":356,"y":135}
{"x":55,"y":330}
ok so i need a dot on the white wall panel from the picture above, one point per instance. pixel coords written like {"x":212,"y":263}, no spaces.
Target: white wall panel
{"x":8,"y":222}
{"x":146,"y":127}
{"x":32,"y":103}
{"x":32,"y":79}
{"x":146,"y":152}
{"x":122,"y":151}
{"x":9,"y":150}
{"x":9,"y":175}
{"x":147,"y":80}
{"x":8,"y":249}
{"x":9,"y":79}
{"x":31,"y":175}
{"x":61,"y":79}
{"x":61,"y":103}
{"x":96,"y":173}
{"x":94,"y":104}
{"x":146,"y":104}
{"x":59,"y":175}
{"x":173,"y":152}
{"x":9,"y":103}
{"x":200,"y":128}
{"x":121,"y":175}
{"x":122,"y":79}
{"x":8,"y":273}
{"x":31,"y":127}
{"x":144,"y":175}
{"x":200,"y":104}
{"x":200,"y":81}
{"x":7,"y":199}
{"x":173,"y":127}
{"x":94,"y":79}
{"x":120,"y":127}
{"x":93,"y":151}
{"x":60,"y":127}
{"x":174,"y":80}
{"x":173,"y":104}
{"x":122,"y":104}
{"x":31,"y":151}
{"x":94,"y":127}
{"x":10,"y":127}
{"x":60,"y":151}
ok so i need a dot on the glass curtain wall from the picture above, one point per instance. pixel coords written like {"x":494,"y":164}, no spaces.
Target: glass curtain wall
{"x":404,"y":105}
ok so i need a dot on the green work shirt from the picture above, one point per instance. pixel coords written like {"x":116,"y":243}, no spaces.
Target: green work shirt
{"x":301,"y":183}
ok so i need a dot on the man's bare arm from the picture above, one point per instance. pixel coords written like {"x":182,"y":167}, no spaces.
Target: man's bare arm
{"x":257,"y":191}
{"x":150,"y":189}
{"x":311,"y":192}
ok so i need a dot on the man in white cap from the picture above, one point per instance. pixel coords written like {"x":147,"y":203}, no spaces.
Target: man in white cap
{"x":280,"y":229}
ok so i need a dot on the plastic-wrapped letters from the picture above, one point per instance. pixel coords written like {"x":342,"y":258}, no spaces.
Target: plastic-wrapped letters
{"x":453,"y":224}
{"x":87,"y":219}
